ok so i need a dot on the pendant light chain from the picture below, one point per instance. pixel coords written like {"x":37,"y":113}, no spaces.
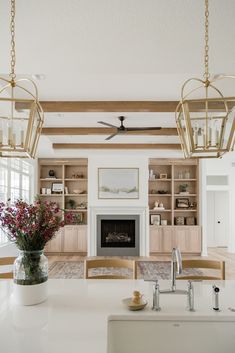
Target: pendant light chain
{"x":19,"y":133}
{"x":12,"y":29}
{"x":206,"y":58}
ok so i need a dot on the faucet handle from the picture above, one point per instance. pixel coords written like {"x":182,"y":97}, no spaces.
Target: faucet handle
{"x":190,"y":283}
{"x":151,"y":280}
{"x":156,"y":284}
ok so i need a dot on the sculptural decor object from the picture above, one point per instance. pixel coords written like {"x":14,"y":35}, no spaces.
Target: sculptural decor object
{"x":51,"y":173}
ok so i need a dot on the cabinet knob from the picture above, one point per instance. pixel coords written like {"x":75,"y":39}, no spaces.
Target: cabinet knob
{"x":218,"y":222}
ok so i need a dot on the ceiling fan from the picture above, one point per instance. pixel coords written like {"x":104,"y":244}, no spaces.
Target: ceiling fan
{"x":122,"y":129}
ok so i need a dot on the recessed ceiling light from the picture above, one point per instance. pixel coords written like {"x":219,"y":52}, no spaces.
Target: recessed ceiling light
{"x":38,"y":77}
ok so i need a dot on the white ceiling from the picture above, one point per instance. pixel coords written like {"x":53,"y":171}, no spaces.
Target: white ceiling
{"x":116,"y":50}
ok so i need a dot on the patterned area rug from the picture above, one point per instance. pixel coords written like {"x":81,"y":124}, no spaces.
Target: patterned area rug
{"x":146,"y":270}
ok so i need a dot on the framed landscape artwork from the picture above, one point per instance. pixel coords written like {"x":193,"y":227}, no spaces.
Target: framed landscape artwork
{"x":118,"y":183}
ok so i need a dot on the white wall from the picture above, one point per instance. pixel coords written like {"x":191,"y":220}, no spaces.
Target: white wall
{"x":8,"y":249}
{"x":138,"y":206}
{"x":115,"y":161}
{"x":224,"y":166}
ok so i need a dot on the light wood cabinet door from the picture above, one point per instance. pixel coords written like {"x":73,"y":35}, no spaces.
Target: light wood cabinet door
{"x":55,"y":245}
{"x":155,"y":241}
{"x":70,"y":239}
{"x":167,"y":239}
{"x":161,"y":239}
{"x":188,"y":239}
{"x":164,"y":239}
{"x":195,"y":241}
{"x":82,"y":238}
{"x":181,"y":238}
{"x":75,"y":239}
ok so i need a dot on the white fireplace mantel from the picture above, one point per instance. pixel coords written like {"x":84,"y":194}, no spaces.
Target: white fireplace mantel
{"x":142,"y":212}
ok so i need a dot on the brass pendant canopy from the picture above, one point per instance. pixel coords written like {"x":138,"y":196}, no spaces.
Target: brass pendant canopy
{"x":210,"y":132}
{"x":19,"y":131}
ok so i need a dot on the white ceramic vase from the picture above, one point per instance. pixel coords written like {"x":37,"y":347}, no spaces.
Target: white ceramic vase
{"x":30,"y":278}
{"x":30,"y":294}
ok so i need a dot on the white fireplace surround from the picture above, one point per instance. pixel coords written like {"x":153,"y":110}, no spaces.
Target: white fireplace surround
{"x":114,"y":210}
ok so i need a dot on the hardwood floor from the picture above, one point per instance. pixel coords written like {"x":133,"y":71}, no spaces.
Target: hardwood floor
{"x":213,"y":253}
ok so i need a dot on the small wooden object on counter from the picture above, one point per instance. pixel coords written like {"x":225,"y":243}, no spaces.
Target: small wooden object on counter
{"x":137,"y":297}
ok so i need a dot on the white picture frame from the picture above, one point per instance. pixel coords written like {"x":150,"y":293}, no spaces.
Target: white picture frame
{"x":57,"y":187}
{"x":118,"y":183}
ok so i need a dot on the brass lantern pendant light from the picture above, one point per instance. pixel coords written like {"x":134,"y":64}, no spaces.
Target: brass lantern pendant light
{"x":205,"y":118}
{"x":19,"y":131}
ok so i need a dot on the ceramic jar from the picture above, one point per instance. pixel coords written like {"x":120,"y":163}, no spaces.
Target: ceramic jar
{"x":30,"y":278}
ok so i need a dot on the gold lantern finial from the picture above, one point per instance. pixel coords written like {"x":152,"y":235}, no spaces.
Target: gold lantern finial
{"x":19,"y":132}
{"x":205,"y":119}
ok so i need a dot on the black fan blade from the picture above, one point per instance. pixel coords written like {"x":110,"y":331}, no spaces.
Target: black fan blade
{"x":111,"y":136}
{"x":107,"y":124}
{"x":142,"y":128}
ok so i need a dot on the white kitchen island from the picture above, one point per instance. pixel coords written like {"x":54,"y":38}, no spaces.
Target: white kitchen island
{"x":75,"y":317}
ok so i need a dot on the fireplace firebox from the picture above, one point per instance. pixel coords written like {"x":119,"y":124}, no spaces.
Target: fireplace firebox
{"x":117,"y":235}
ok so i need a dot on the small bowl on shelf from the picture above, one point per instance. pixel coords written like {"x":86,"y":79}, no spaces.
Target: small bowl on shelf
{"x":78,"y":191}
{"x":162,"y":192}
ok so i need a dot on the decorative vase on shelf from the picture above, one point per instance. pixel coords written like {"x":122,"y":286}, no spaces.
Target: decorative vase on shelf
{"x":51,"y":173}
{"x":30,"y":278}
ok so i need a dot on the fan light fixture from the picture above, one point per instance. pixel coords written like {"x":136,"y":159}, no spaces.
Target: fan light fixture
{"x":206,"y":126}
{"x":122,"y":129}
{"x":19,"y":132}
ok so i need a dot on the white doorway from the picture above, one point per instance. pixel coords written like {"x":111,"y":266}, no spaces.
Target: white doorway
{"x":217,"y":218}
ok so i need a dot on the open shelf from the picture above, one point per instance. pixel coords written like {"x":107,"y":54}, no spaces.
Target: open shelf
{"x":51,"y":195}
{"x":180,"y":195}
{"x":72,"y":174}
{"x":75,"y":194}
{"x":161,"y":195}
{"x":185,"y":210}
{"x":76,"y":179}
{"x":185,"y":179}
{"x":157,"y":180}
{"x":156,"y":211}
{"x":178,"y":172}
{"x":50,"y":179}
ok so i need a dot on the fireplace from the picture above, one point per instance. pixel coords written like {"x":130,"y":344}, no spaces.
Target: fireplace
{"x":118,"y":235}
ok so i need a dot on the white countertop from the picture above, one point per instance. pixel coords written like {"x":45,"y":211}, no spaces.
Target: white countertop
{"x":74,"y":318}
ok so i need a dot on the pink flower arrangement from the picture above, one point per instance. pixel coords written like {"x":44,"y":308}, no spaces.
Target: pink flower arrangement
{"x":31,"y":226}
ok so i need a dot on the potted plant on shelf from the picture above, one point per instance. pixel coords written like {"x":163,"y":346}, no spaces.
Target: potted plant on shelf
{"x":71,"y":204}
{"x":183,"y":188}
{"x":30,"y":227}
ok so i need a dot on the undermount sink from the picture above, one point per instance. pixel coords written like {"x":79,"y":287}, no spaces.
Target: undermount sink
{"x":156,"y":335}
